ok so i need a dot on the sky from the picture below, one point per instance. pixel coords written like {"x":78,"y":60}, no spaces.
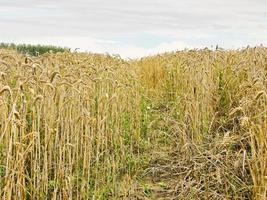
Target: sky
{"x":134,"y":28}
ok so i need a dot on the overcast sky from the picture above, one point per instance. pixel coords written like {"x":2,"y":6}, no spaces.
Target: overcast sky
{"x":134,"y":28}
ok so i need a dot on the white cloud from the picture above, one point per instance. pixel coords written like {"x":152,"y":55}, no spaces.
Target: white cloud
{"x":103,"y":46}
{"x":137,"y":52}
{"x":98,"y":25}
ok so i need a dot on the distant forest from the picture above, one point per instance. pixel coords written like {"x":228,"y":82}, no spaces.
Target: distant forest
{"x":33,"y":50}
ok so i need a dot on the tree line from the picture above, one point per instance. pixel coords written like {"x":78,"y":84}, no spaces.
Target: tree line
{"x":33,"y":50}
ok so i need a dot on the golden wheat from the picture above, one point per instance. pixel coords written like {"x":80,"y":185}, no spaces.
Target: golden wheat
{"x":184,"y":125}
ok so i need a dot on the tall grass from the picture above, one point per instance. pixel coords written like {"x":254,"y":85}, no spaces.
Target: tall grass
{"x":69,"y":126}
{"x":214,"y":103}
{"x":85,"y":126}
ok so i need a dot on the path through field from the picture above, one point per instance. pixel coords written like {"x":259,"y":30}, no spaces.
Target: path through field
{"x":159,"y":179}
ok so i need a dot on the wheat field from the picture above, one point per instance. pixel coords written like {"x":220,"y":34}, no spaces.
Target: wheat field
{"x":189,"y":124}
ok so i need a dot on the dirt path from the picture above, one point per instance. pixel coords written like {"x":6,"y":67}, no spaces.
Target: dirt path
{"x":158,"y":179}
